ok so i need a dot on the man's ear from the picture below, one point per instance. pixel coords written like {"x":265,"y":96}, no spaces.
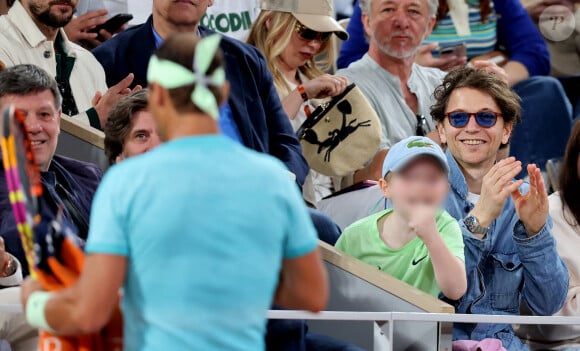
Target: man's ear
{"x":430,"y":27}
{"x":58,"y":118}
{"x":156,"y":96}
{"x":366,"y":20}
{"x":507,"y":132}
{"x":441,"y":131}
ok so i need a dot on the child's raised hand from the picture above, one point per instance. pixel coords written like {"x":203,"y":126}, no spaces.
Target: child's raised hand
{"x":422,"y":221}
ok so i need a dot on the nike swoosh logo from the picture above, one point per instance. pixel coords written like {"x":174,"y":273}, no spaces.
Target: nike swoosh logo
{"x":416,"y":262}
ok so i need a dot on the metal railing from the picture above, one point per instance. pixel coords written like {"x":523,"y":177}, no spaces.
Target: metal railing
{"x":391,"y":318}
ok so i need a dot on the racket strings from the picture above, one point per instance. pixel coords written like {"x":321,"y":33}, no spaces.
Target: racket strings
{"x":22,"y":178}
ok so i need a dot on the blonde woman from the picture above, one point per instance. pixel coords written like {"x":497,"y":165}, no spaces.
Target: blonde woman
{"x":291,"y":41}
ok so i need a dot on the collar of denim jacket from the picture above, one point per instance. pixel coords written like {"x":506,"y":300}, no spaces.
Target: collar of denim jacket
{"x":456,"y":177}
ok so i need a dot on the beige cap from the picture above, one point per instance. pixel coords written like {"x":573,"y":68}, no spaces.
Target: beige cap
{"x":317,"y":15}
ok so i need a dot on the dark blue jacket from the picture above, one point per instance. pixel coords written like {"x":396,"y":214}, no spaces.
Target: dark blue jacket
{"x":254,"y":102}
{"x":80,"y":179}
{"x":516,"y":35}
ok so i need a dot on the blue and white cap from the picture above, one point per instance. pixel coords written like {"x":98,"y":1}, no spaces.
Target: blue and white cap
{"x":407,"y":150}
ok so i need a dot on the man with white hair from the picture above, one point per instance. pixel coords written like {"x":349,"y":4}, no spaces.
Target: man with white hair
{"x":399,"y":90}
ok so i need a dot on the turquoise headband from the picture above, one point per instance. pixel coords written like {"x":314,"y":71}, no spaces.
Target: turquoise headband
{"x":171,"y":75}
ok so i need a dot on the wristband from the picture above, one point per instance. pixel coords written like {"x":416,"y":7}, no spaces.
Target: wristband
{"x":35,"y":310}
{"x":302,"y":92}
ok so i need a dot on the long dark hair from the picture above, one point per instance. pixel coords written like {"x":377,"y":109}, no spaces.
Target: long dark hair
{"x":484,"y":9}
{"x":569,"y":177}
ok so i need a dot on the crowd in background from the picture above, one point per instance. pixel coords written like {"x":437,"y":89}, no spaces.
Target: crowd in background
{"x":200,"y":132}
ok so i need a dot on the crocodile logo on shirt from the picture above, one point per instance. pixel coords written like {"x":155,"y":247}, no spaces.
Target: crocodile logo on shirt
{"x":417,"y":261}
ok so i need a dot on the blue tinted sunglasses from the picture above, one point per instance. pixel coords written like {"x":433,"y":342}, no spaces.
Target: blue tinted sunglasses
{"x":485,"y":119}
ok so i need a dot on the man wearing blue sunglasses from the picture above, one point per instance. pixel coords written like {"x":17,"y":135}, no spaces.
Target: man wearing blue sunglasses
{"x":510,"y":254}
{"x":485,"y":119}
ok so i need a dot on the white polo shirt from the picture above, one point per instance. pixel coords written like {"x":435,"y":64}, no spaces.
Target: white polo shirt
{"x":21,"y":42}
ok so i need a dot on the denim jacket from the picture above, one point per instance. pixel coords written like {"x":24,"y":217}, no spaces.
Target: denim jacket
{"x":504,"y":268}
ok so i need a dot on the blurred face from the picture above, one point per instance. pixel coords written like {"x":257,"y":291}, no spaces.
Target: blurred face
{"x":52,"y":13}
{"x":142,"y":136}
{"x":42,"y":122}
{"x":422,"y":182}
{"x":181,"y":12}
{"x":472,"y":144}
{"x":397,"y":27}
{"x":300,"y":51}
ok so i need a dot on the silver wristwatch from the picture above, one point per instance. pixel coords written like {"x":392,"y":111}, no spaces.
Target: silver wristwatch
{"x":473,"y":225}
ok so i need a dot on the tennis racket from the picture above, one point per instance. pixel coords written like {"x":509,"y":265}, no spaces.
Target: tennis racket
{"x":51,"y":246}
{"x":22,"y":177}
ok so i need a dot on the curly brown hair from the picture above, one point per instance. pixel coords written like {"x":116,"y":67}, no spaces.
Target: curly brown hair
{"x":119,"y":122}
{"x":482,"y":80}
{"x":485,"y":9}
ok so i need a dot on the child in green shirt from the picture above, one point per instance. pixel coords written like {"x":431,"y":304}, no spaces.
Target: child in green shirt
{"x":415,"y":241}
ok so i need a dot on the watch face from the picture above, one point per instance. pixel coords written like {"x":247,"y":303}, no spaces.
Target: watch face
{"x":470,"y":223}
{"x":473,"y":225}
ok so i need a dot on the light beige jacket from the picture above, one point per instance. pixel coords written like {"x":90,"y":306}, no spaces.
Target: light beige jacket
{"x":22,"y":42}
{"x":568,"y":244}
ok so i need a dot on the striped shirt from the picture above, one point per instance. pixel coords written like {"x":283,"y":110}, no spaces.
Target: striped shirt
{"x":483,"y":36}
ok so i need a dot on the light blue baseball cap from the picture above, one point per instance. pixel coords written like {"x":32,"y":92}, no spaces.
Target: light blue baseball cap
{"x":407,"y":150}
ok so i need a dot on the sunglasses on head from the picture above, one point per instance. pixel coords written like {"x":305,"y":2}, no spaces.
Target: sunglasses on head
{"x":309,"y":34}
{"x":485,"y":119}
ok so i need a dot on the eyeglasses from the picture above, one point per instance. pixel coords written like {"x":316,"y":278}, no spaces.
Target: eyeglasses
{"x":422,"y":128}
{"x":309,"y":34}
{"x":485,"y":119}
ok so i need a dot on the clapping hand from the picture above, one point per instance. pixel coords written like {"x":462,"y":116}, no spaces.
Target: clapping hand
{"x":532,"y":207}
{"x":103,"y":103}
{"x":496,"y":186}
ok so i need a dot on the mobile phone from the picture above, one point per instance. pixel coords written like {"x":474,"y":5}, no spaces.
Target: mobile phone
{"x":453,"y":50}
{"x":113,"y":24}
